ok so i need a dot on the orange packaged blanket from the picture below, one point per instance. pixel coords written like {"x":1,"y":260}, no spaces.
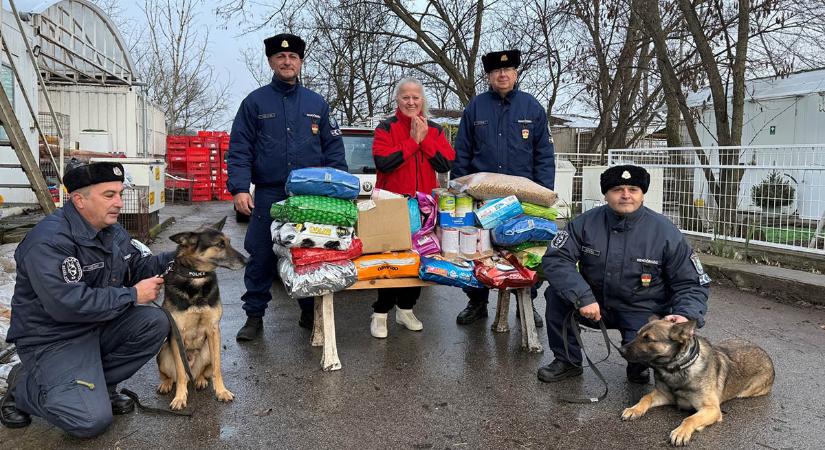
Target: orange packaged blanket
{"x":387,"y":265}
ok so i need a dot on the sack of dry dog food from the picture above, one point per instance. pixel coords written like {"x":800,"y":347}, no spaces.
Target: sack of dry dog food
{"x":315,"y":209}
{"x":504,"y":272}
{"x":316,"y":279}
{"x":304,"y":256}
{"x":313,"y":235}
{"x":387,"y":265}
{"x":487,"y":185}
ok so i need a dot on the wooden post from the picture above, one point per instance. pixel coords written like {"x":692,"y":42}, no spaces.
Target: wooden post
{"x":500,"y":325}
{"x":330,"y":359}
{"x":529,"y":337}
{"x":317,"y":339}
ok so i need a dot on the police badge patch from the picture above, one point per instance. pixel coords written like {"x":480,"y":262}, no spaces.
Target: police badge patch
{"x":72,"y":270}
{"x":560,"y":239}
{"x":694,"y":258}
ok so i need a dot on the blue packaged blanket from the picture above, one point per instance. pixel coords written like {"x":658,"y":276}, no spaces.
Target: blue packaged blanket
{"x":446,"y":273}
{"x":325,"y":181}
{"x":415,"y":215}
{"x":522,"y":229}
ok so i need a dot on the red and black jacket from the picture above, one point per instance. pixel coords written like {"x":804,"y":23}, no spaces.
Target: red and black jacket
{"x":405,"y":167}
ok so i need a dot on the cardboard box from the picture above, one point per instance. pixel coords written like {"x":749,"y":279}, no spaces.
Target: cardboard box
{"x":384,"y":225}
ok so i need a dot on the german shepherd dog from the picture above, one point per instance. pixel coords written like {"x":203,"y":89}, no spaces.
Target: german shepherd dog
{"x":192,"y":298}
{"x":693,"y":374}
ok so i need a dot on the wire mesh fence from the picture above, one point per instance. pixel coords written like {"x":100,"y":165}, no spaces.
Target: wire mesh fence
{"x":579,"y":161}
{"x":767,"y":195}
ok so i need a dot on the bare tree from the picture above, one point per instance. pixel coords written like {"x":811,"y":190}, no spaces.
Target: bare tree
{"x":176,"y":68}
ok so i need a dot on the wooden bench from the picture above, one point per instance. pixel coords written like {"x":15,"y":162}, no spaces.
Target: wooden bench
{"x":323,"y":330}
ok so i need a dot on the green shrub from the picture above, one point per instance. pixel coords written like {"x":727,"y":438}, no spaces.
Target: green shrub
{"x":773,"y":192}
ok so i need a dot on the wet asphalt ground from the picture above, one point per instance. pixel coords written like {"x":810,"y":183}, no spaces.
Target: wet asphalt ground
{"x":449,"y":386}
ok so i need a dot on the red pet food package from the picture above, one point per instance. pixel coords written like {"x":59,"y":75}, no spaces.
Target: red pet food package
{"x":503,"y":272}
{"x":304,"y":256}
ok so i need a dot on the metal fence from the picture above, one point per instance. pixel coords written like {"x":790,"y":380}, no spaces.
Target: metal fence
{"x":579,"y":161}
{"x":767,"y":195}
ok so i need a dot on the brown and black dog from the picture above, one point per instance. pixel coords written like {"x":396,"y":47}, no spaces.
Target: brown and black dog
{"x":192,"y":298}
{"x":693,"y":374}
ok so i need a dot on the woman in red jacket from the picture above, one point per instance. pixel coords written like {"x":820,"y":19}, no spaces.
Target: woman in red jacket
{"x":408,"y":151}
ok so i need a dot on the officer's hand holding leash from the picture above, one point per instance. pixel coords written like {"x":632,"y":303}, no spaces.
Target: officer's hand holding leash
{"x":591,"y":311}
{"x":243,"y":202}
{"x":148,"y":289}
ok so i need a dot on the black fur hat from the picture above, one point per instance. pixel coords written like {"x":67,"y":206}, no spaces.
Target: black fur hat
{"x":500,"y":60}
{"x":284,"y":43}
{"x":79,"y":175}
{"x":627,"y":174}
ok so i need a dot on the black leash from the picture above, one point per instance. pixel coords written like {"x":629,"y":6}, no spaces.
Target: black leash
{"x":144,"y":408}
{"x":571,"y":322}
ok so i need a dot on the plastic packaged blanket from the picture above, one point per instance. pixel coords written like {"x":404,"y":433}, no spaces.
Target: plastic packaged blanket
{"x":313,"y":235}
{"x":458,"y":274}
{"x":504,"y":272}
{"x":522,"y":229}
{"x":425,"y":241}
{"x":315,"y":209}
{"x":415,"y":215}
{"x":316,"y":279}
{"x":487,"y":185}
{"x":325,"y":181}
{"x":387,"y":265}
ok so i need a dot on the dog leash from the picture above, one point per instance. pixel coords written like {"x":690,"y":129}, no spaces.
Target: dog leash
{"x":150,"y":409}
{"x":571,"y":322}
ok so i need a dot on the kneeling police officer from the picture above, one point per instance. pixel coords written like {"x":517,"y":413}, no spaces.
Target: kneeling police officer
{"x":632,"y":263}
{"x":77,"y":317}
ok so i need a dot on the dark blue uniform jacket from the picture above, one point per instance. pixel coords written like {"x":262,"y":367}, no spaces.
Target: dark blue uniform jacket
{"x":505,"y":135}
{"x":70,"y":277}
{"x":614,"y":253}
{"x":280,"y":127}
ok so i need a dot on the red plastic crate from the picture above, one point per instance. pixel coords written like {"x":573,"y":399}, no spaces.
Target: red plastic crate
{"x":196,"y":141}
{"x":178,"y":140}
{"x":211,"y":142}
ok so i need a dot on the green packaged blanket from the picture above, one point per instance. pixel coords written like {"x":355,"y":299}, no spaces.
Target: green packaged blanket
{"x":315,"y":209}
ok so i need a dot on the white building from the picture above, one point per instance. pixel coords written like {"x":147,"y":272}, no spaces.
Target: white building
{"x":90,"y":79}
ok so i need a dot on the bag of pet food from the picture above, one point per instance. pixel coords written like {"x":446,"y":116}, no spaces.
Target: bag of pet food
{"x":415,"y":215}
{"x":531,"y":256}
{"x":425,"y":241}
{"x":313,"y":235}
{"x":545,"y":212}
{"x":316,"y":279}
{"x":315,"y":209}
{"x":522,"y":229}
{"x":487,"y":185}
{"x":304,"y":256}
{"x":504,"y":272}
{"x":324,"y":181}
{"x":387,"y":265}
{"x":458,"y":274}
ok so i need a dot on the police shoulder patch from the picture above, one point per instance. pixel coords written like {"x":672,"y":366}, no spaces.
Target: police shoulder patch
{"x":332,"y":122}
{"x":694,"y":258}
{"x":560,"y":239}
{"x":72,"y":270}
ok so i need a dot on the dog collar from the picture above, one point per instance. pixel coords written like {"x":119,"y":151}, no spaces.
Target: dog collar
{"x":691,"y":358}
{"x":185,"y":272}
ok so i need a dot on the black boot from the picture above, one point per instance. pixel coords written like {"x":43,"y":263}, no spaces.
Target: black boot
{"x":638,"y":373}
{"x":307,"y":318}
{"x":558,"y":370}
{"x":121,"y":403}
{"x":473,"y":312}
{"x":251,"y":330}
{"x":10,"y":416}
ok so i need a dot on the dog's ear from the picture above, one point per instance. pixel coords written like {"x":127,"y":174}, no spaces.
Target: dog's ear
{"x":654,"y":317}
{"x":185,"y":238}
{"x":219,"y":224}
{"x":683,"y":332}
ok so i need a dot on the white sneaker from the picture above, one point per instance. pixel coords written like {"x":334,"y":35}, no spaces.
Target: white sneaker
{"x":378,"y":326}
{"x":407,"y":318}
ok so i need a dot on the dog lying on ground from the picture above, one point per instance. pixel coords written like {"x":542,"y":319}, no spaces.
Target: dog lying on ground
{"x":192,"y":297}
{"x":692,"y":373}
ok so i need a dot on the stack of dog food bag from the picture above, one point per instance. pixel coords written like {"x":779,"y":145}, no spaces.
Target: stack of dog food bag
{"x":493,"y":231}
{"x":313,"y":232}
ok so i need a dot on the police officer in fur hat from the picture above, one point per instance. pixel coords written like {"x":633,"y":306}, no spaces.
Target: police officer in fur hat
{"x":632,"y":263}
{"x":279,"y":127}
{"x":503,"y":130}
{"x":77,"y":318}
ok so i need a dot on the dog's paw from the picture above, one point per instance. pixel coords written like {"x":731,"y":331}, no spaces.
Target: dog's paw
{"x":165,"y":387}
{"x":178,"y":403}
{"x":225,"y":395}
{"x":201,"y":383}
{"x":680,"y":436}
{"x":633,"y":413}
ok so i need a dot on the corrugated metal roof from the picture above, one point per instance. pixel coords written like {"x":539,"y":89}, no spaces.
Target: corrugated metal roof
{"x":795,"y":84}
